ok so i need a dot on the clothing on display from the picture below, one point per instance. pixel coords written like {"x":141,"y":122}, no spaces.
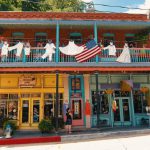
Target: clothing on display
{"x":71,"y":49}
{"x":125,"y":55}
{"x":18,"y":47}
{"x":50,"y":50}
{"x":4,"y":51}
{"x":111,"y":48}
{"x":27,"y":48}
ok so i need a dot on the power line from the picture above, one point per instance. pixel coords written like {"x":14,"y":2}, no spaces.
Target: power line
{"x":105,"y":5}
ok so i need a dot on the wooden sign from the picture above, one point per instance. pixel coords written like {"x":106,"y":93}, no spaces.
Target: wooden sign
{"x":27,"y":81}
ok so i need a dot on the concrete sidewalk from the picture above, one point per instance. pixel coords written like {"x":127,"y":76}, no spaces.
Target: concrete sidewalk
{"x":76,"y":136}
{"x":105,"y":134}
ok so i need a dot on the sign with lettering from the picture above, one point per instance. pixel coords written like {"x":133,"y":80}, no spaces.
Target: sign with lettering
{"x":27,"y":81}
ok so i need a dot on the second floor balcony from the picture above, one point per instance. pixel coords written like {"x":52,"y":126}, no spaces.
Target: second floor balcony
{"x":139,"y":56}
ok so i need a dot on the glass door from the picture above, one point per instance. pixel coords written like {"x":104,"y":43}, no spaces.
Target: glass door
{"x":30,"y":112}
{"x":35,"y":112}
{"x":122,"y":115}
{"x":25,"y":112}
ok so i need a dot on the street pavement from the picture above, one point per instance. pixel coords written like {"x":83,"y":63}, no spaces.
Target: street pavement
{"x":128,"y":143}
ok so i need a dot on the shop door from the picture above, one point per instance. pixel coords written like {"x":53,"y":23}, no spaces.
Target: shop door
{"x":77,"y":112}
{"x":30,"y":112}
{"x":122,"y":115}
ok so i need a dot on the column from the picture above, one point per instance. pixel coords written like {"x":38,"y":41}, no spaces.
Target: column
{"x":66,"y":94}
{"x":95,"y":37}
{"x":88,"y":102}
{"x":57,"y":43}
{"x":132,"y":105}
{"x":57,"y":100}
{"x":98,"y":100}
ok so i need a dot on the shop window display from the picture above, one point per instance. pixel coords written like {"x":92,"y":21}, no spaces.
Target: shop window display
{"x":49,"y":105}
{"x":9,"y":106}
{"x":140,"y":102}
{"x":102,"y":96}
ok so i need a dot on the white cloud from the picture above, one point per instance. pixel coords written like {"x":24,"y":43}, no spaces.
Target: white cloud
{"x":146,"y":5}
{"x":87,"y":1}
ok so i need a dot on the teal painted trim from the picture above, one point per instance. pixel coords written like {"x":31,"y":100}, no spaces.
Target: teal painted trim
{"x":129,"y":35}
{"x":75,"y":34}
{"x":57,"y":42}
{"x":96,"y":38}
{"x":18,"y":34}
{"x":132,"y":109}
{"x":24,"y":56}
{"x":78,"y":91}
{"x":108,"y":34}
{"x":40,"y":34}
{"x":111,"y":118}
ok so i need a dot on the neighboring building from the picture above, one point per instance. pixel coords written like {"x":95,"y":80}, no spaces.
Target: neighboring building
{"x":32,"y":88}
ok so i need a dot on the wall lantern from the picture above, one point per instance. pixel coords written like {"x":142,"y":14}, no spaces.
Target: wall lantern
{"x":144,"y":89}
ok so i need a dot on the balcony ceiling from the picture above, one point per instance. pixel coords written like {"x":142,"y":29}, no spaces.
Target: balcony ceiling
{"x":104,"y":24}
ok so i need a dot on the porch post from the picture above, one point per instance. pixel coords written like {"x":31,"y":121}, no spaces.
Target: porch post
{"x":132,"y":105}
{"x":95,"y":37}
{"x":57,"y":43}
{"x":110,"y":104}
{"x":57,"y":100}
{"x":98,"y":99}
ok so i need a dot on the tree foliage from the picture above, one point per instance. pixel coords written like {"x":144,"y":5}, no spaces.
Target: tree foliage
{"x":42,"y":5}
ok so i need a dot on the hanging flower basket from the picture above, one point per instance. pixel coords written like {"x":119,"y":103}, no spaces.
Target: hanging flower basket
{"x":144,"y":89}
{"x":109,"y":91}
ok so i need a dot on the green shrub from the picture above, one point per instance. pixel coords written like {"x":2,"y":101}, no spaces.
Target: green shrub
{"x":45,"y":126}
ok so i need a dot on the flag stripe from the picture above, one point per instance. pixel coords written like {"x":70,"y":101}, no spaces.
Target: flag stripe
{"x":91,"y":49}
{"x":88,"y":52}
{"x":90,"y":56}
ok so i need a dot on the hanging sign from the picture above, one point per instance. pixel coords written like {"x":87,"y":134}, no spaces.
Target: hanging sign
{"x":27,"y":81}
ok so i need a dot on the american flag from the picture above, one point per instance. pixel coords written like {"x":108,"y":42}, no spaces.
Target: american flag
{"x":91,"y":49}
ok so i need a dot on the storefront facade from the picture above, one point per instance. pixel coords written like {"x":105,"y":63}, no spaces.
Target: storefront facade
{"x":28,"y":98}
{"x":33,"y":88}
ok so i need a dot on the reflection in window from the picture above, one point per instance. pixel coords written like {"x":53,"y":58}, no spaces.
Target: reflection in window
{"x":102,"y":96}
{"x":12,"y":110}
{"x":25,"y":111}
{"x":75,"y":83}
{"x":36,"y":110}
{"x":140,"y":102}
{"x":49,"y":105}
{"x":9,"y":106}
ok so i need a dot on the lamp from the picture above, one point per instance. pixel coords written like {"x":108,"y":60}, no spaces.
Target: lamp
{"x":144,"y":89}
{"x":109,"y":91}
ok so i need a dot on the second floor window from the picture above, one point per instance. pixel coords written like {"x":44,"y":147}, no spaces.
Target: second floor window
{"x":107,"y":38}
{"x":17,"y":37}
{"x":40,"y":39}
{"x":76,"y":37}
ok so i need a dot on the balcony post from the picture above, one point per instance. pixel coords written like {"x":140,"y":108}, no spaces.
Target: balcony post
{"x":95,"y":37}
{"x":24,"y":56}
{"x":57,"y":43}
{"x":132,"y":105}
{"x":98,"y":99}
{"x":57,"y":100}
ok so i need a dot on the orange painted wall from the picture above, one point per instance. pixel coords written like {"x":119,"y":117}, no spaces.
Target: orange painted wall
{"x":64,"y":33}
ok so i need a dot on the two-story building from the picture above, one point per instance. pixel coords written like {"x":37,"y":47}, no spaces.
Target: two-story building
{"x":33,"y":88}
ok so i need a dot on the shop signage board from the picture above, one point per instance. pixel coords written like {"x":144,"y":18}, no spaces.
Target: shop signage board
{"x":27,"y":81}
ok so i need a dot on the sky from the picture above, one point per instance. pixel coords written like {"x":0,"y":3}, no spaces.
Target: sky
{"x":143,"y":4}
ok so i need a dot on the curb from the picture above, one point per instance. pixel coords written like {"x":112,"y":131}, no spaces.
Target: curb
{"x":30,"y":140}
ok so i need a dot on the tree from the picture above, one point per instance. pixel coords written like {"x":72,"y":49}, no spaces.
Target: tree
{"x":42,"y":5}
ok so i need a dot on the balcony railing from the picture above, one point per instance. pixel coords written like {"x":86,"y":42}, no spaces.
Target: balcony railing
{"x":137,"y":55}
